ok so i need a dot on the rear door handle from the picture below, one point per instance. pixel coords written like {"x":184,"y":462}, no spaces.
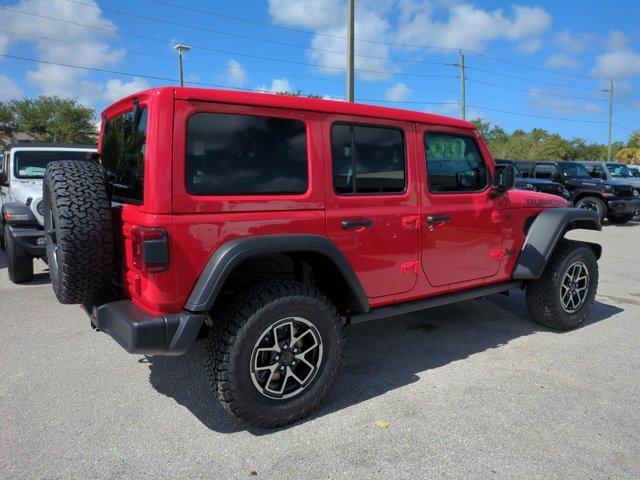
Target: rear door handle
{"x":431,"y":219}
{"x":353,"y":223}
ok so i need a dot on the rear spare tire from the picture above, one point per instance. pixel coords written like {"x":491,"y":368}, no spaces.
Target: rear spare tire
{"x":79,"y":231}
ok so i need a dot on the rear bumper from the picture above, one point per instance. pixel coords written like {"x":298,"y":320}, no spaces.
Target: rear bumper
{"x":29,"y":239}
{"x":623,"y":207}
{"x":137,"y":331}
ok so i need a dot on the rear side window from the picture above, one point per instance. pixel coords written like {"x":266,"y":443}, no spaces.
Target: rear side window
{"x":367,"y":159}
{"x":33,"y":163}
{"x":547,"y":172}
{"x":454,"y":164}
{"x":245,"y":154}
{"x":123,"y":155}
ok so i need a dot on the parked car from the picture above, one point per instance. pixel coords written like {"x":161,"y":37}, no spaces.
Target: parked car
{"x":277,"y":220}
{"x":616,"y":201}
{"x":536,"y":184}
{"x":634,"y":170}
{"x":617,"y":173}
{"x":21,"y":225}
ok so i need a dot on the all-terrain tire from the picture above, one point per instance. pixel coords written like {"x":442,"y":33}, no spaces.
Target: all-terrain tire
{"x":620,"y":219}
{"x":230,"y":351}
{"x":79,"y":231}
{"x":19,"y":262}
{"x":543,"y":295}
{"x":593,"y":203}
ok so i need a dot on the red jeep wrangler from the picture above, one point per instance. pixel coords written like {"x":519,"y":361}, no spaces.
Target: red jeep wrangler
{"x":274,"y":221}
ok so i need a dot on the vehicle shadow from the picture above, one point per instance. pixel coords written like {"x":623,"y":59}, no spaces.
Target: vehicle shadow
{"x":381,"y":356}
{"x":630,"y":223}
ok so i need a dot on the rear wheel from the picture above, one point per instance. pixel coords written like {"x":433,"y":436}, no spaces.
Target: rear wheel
{"x":79,"y":231}
{"x":274,"y":355}
{"x":563,"y":296}
{"x":620,"y":219}
{"x":19,"y":262}
{"x":594,"y":204}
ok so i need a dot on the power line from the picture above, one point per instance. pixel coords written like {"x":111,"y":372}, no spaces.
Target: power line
{"x":536,"y":116}
{"x":248,"y":37}
{"x":228,"y":52}
{"x":535,"y":92}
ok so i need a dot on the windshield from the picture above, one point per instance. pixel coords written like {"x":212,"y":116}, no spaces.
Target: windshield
{"x":33,"y":163}
{"x":574,"y":170}
{"x":618,"y":170}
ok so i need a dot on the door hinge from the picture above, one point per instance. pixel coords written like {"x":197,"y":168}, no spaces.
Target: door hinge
{"x":411,"y":223}
{"x":413,"y":266}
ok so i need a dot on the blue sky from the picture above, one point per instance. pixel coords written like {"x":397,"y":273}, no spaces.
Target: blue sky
{"x":529,"y":63}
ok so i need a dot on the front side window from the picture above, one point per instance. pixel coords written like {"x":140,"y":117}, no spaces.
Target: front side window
{"x":367,"y":159}
{"x":33,"y":163}
{"x":123,"y":155}
{"x":454,"y":164}
{"x":548,"y":172}
{"x":245,"y":154}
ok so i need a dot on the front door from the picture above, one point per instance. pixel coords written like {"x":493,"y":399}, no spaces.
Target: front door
{"x":461,"y":234}
{"x":372,"y":201}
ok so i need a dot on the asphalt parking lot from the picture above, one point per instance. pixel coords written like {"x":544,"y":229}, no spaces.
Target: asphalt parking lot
{"x":473,"y":390}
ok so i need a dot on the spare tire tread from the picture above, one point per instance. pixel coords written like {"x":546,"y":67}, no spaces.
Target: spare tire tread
{"x":76,"y":192}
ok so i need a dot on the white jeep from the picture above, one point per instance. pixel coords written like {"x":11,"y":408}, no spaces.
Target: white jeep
{"x":22,"y":224}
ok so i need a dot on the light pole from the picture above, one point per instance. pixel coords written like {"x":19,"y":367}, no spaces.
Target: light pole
{"x":350,"y":48}
{"x":181,"y":48}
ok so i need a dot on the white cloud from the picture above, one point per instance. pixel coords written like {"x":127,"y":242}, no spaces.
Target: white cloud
{"x":398,"y":93}
{"x":559,"y":106}
{"x":8,"y":89}
{"x":616,"y":40}
{"x":116,"y":89}
{"x":57,"y":80}
{"x":530,"y":46}
{"x":571,"y":42}
{"x":277,"y":85}
{"x":314,"y":14}
{"x":236,"y":75}
{"x":618,"y":64}
{"x":560,"y":60}
{"x":469,"y":27}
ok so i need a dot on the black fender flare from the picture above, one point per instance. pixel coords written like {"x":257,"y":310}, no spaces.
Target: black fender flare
{"x":17,"y":208}
{"x":230,"y":254}
{"x":544,"y":234}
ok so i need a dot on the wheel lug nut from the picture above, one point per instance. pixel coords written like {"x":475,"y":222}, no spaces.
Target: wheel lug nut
{"x":284,"y":346}
{"x":295,"y":350}
{"x":281,"y":367}
{"x":277,"y":357}
{"x":293,"y":362}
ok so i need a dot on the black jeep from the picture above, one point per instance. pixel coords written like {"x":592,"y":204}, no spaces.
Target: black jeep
{"x":618,"y":203}
{"x":536,"y":184}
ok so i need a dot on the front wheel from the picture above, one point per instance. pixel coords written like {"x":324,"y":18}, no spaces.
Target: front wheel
{"x":563,"y":296}
{"x":273,"y":356}
{"x":593,"y":204}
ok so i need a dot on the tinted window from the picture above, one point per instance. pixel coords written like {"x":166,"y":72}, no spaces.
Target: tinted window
{"x":454,"y":164}
{"x":242,"y":154}
{"x":367,"y":159}
{"x":123,"y":155}
{"x":545,"y":171}
{"x":33,"y":163}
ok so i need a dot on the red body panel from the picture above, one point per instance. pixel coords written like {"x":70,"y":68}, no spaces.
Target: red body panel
{"x":399,"y":258}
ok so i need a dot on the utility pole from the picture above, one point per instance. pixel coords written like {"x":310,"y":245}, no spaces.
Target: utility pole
{"x":610,"y":120}
{"x":463,"y":87}
{"x":181,"y":48}
{"x":350,"y":48}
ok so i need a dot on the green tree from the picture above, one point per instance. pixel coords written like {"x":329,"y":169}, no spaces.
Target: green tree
{"x":54,"y":119}
{"x":7,"y":121}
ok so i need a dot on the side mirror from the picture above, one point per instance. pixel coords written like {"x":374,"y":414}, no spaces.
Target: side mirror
{"x":3,"y":178}
{"x":504,"y":178}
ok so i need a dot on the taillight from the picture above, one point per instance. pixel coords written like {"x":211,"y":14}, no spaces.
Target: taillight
{"x":150,"y":248}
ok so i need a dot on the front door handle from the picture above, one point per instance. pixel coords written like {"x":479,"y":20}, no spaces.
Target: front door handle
{"x":431,"y":219}
{"x":354,"y":223}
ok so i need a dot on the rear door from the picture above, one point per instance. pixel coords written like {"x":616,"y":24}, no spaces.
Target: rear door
{"x":462,"y":231}
{"x":372,"y":202}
